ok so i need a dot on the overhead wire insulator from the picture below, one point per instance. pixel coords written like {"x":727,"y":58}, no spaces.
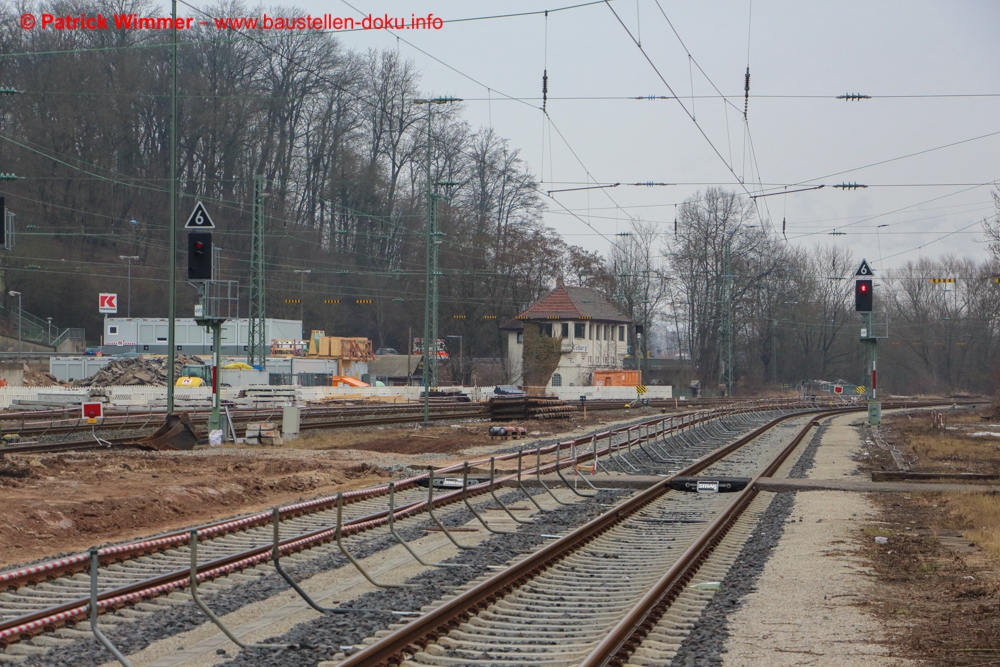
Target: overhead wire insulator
{"x":849,"y":186}
{"x":746,"y":94}
{"x":853,"y":97}
{"x":545,"y":89}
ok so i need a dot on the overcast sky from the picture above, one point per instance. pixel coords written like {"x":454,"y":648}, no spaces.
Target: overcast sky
{"x":796,"y":50}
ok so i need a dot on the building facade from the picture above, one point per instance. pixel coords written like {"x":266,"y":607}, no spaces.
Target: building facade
{"x":593,"y":332}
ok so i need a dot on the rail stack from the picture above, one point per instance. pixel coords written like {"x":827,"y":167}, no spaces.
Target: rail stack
{"x":509,"y":408}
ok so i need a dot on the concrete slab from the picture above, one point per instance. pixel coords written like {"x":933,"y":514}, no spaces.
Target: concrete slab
{"x":865,"y":486}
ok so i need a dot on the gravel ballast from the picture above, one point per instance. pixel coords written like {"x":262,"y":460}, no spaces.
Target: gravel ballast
{"x":703,"y":646}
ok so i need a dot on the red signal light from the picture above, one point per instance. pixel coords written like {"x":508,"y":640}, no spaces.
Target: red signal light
{"x":199,"y":245}
{"x":863,"y":294}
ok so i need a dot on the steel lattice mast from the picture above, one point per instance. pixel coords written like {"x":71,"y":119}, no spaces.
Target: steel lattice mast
{"x":257,"y":345}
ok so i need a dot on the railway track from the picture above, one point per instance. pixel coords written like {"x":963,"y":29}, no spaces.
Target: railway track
{"x":587,"y":599}
{"x":111,"y":441}
{"x":621,"y":604}
{"x":48,"y":595}
{"x":102,"y":435}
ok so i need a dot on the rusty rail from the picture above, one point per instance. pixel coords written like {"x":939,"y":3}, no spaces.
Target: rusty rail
{"x":392,"y":648}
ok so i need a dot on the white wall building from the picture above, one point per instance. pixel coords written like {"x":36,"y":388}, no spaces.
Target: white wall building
{"x":593,"y":332}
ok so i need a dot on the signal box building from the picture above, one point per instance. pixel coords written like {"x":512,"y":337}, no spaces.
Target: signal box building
{"x":593,"y":332}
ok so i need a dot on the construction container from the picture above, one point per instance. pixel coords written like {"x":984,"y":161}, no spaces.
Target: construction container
{"x":617,"y":378}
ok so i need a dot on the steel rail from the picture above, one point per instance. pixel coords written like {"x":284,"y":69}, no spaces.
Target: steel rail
{"x":623,"y":640}
{"x":120,"y":553}
{"x":27,"y":626}
{"x":346,"y":417}
{"x":390,"y":649}
{"x":114,"y":599}
{"x":120,"y":442}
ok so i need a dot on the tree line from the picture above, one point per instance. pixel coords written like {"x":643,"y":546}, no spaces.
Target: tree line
{"x":348,"y":154}
{"x":792,"y":310}
{"x":345,"y":149}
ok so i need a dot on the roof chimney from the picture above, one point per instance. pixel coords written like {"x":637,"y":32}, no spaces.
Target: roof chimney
{"x":559,"y":282}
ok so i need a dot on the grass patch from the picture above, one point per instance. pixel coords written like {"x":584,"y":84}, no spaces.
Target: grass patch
{"x":979,"y":514}
{"x":948,"y":447}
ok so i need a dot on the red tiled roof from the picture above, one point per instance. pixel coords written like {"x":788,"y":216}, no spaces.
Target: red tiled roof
{"x":570,"y":303}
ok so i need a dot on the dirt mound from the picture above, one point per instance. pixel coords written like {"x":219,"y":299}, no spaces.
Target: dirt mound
{"x":33,"y":378}
{"x":136,"y":371}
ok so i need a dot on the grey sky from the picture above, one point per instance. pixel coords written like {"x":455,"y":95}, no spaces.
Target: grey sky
{"x":795,"y":48}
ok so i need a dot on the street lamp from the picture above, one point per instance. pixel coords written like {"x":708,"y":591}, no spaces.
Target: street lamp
{"x":18,"y":295}
{"x":302,"y":287}
{"x":129,"y":259}
{"x":50,"y":329}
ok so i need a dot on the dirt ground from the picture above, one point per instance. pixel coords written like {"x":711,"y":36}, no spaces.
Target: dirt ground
{"x":454,"y":438}
{"x":938,"y":572}
{"x":65,"y":503}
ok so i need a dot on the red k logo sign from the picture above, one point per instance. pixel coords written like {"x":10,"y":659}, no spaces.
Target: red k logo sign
{"x":108,"y":303}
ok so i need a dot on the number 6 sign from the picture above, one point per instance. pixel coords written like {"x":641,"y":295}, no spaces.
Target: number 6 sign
{"x":199,"y":218}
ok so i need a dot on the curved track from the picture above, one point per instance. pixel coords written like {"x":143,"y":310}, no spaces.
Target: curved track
{"x":589,"y":597}
{"x":45,"y":596}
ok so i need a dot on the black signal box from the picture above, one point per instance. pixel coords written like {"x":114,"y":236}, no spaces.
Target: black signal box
{"x":863,"y":296}
{"x":199,"y":256}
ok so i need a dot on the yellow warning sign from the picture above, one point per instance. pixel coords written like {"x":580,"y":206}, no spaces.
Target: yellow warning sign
{"x":860,"y":389}
{"x":640,"y":389}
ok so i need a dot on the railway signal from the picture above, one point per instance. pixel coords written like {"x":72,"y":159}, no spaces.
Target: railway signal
{"x":199,"y":255}
{"x":863,"y":296}
{"x":863,"y":302}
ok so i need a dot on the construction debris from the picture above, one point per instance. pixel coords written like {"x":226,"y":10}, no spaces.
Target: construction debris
{"x":137,"y":371}
{"x":176,"y":433}
{"x":33,"y":378}
{"x":506,"y":408}
{"x":263,"y":433}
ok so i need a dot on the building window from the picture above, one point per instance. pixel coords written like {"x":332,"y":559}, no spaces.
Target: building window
{"x":545,"y":329}
{"x":565,"y":329}
{"x":621,"y":333}
{"x":591,"y":332}
{"x":520,"y":337}
{"x":556,"y":380}
{"x":579,"y":330}
{"x":113,"y":330}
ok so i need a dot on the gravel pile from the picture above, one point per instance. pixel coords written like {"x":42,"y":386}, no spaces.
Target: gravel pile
{"x":703,"y":647}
